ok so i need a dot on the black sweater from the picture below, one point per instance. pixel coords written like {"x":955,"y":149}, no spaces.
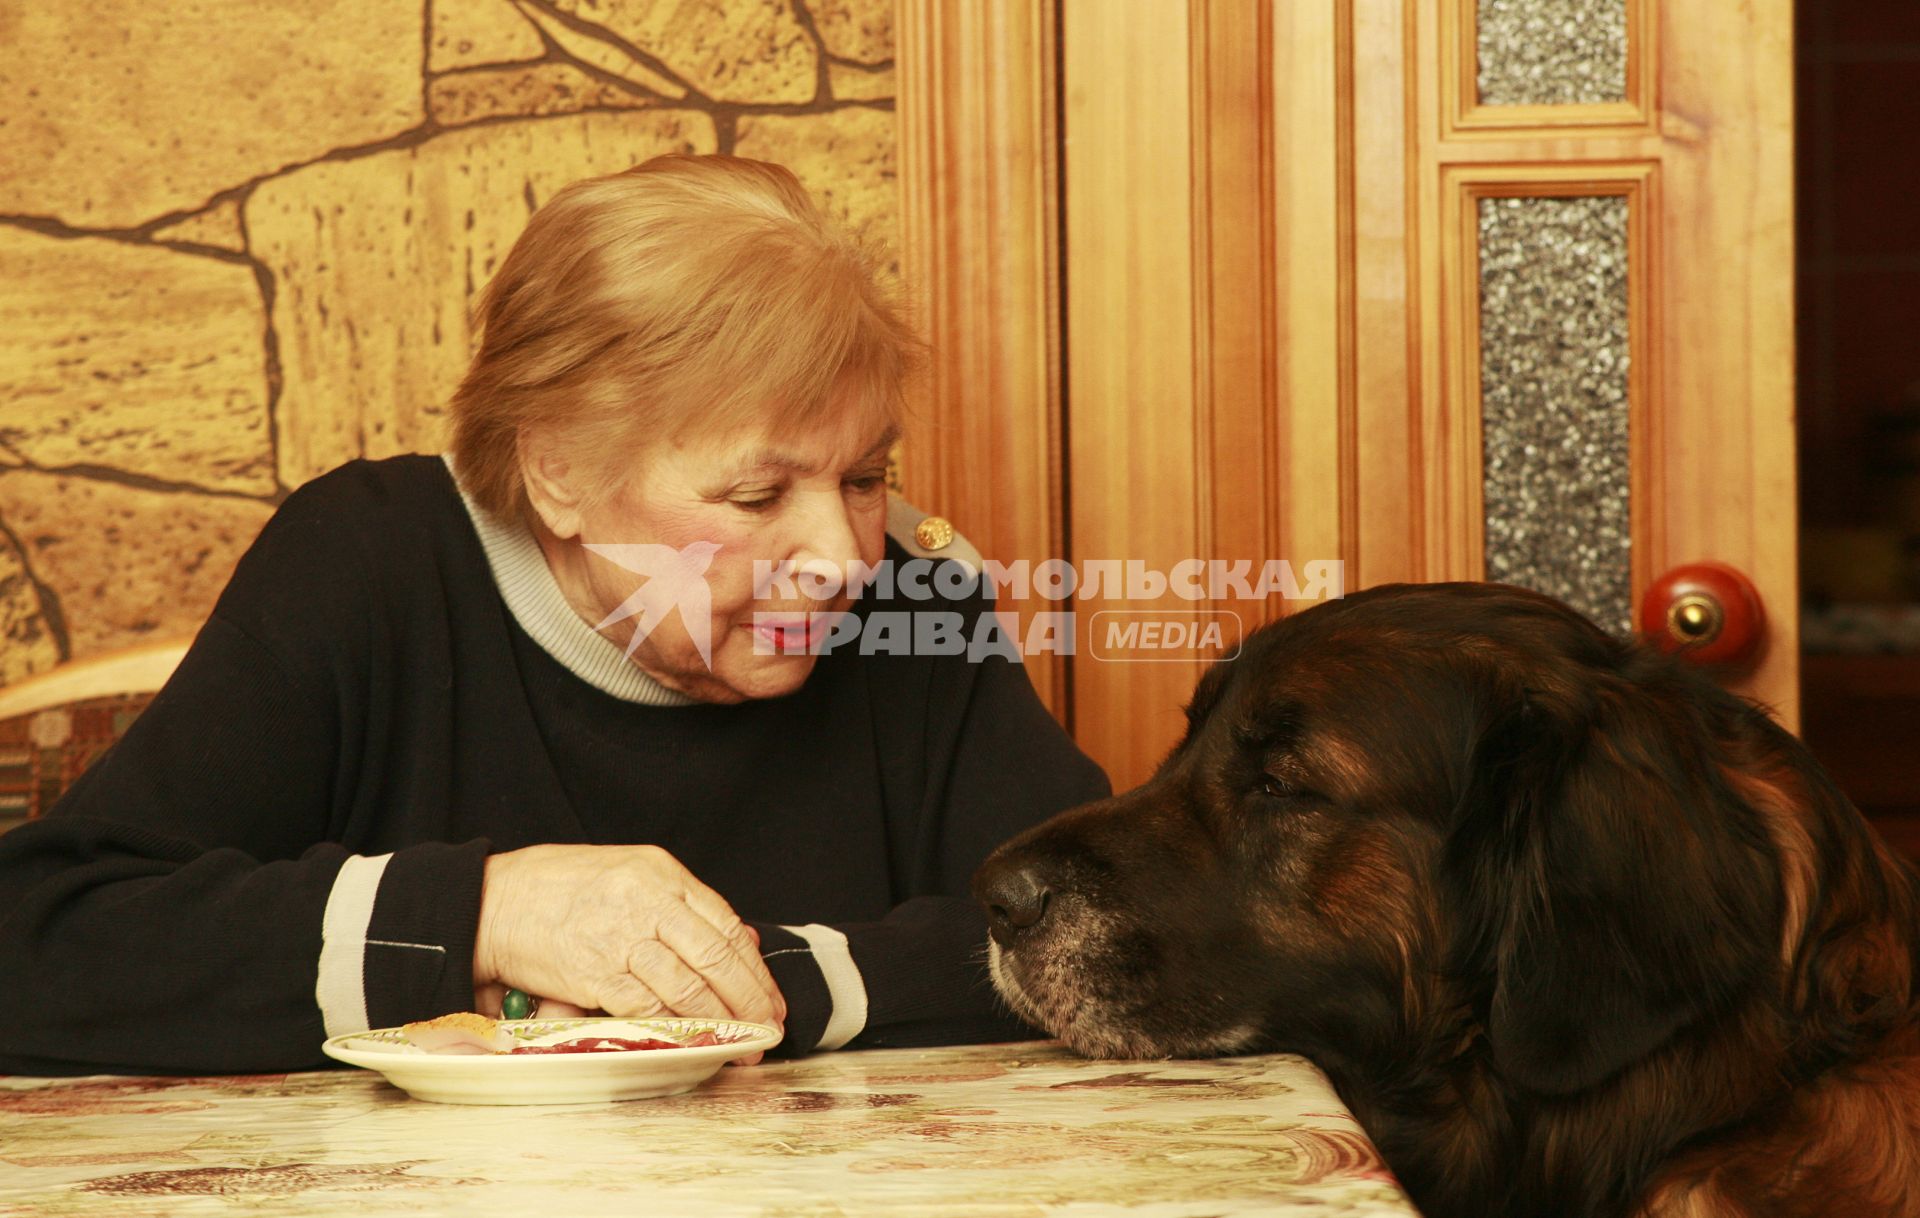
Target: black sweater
{"x":361,"y":688}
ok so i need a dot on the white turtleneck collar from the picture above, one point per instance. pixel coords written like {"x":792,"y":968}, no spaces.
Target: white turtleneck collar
{"x":534,"y":598}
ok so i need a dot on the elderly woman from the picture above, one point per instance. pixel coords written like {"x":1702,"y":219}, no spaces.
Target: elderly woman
{"x":552,"y":713}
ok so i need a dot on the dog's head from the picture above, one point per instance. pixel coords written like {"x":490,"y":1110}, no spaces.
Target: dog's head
{"x":1459,"y":794}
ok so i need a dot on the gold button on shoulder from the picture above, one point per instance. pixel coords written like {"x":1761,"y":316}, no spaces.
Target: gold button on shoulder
{"x":934,"y":533}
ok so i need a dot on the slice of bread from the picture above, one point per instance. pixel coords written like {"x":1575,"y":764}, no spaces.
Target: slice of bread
{"x":460,"y":1032}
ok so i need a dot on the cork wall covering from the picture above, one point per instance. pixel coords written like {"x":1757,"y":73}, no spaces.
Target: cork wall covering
{"x":239,"y":242}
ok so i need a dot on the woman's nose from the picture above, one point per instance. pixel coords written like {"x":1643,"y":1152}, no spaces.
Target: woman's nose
{"x":827,"y":546}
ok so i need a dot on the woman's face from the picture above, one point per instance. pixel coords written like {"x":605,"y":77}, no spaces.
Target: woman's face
{"x":702,"y":514}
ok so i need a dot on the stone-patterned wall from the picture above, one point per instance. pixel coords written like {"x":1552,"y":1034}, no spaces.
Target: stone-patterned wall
{"x":239,"y":240}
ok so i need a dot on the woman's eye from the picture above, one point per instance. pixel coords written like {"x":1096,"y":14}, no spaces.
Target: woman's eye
{"x":867,"y":484}
{"x":756,"y":501}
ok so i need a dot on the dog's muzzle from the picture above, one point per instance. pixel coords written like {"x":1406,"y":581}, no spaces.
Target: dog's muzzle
{"x":1015,"y":897}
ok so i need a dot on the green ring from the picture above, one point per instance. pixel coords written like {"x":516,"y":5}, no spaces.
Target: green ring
{"x":518,"y":1004}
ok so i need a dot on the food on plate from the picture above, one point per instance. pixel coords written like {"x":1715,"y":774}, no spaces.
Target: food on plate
{"x":599,"y":1044}
{"x":468,"y":1033}
{"x":620,"y":1044}
{"x":461,"y":1032}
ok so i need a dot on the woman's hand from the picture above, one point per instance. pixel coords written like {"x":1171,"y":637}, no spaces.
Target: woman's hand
{"x":624,"y":929}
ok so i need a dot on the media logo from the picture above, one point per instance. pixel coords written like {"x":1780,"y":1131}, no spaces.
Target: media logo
{"x":675,"y":579}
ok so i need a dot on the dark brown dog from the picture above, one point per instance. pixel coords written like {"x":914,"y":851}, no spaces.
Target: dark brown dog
{"x":1573,"y":931}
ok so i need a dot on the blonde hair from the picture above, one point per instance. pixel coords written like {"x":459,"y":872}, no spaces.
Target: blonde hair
{"x":689,"y":294}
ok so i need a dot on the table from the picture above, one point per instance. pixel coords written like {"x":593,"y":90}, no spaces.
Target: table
{"x":995,"y":1130}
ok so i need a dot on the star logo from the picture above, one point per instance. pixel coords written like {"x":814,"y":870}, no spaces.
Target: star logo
{"x":675,"y":579}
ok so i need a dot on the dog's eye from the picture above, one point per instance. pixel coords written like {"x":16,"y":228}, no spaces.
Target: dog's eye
{"x":1286,"y":789}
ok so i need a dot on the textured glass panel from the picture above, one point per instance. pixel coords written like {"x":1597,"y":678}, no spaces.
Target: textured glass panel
{"x":1553,"y":52}
{"x":1553,"y":399}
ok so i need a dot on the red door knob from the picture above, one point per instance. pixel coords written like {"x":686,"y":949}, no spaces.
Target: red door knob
{"x":1707,"y":612}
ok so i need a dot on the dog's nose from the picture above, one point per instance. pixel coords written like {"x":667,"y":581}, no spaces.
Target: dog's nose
{"x":1016,"y":899}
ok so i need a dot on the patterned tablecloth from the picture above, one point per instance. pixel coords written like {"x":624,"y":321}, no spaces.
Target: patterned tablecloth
{"x":996,"y":1130}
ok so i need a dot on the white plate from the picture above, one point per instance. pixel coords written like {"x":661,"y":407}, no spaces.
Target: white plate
{"x":556,"y":1078}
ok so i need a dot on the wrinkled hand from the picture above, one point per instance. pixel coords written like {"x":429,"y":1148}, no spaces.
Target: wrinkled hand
{"x":623,"y":929}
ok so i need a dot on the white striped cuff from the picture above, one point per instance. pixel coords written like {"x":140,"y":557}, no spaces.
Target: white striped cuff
{"x":845,"y":986}
{"x":341,"y":985}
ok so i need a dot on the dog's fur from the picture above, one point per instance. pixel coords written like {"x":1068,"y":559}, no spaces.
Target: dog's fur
{"x":1572,"y":930}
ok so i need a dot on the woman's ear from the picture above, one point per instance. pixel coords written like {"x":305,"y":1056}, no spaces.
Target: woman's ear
{"x":1619,"y":892}
{"x":552,"y":484}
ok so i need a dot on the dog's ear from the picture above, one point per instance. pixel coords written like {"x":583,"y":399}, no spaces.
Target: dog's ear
{"x":1611,"y":892}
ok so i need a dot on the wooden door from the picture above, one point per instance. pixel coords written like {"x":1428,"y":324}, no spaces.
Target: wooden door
{"x":1375,"y":280}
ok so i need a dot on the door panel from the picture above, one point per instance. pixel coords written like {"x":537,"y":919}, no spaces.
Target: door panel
{"x":1706,"y":128}
{"x":1137,"y":295}
{"x":979,"y":153}
{"x":1312,"y":256}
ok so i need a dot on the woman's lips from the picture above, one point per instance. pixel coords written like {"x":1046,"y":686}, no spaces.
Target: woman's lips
{"x":790,"y":633}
